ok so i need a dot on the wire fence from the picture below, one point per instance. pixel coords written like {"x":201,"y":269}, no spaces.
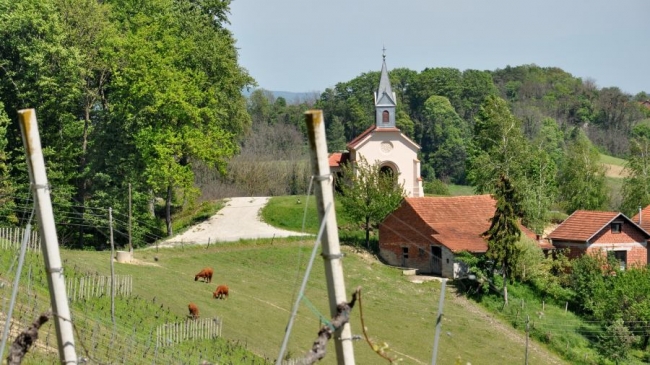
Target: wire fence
{"x":12,"y":237}
{"x":89,"y":286}
{"x":172,"y":333}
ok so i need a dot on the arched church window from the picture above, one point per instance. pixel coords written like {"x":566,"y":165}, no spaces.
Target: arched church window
{"x":389,"y":172}
{"x":384,"y":116}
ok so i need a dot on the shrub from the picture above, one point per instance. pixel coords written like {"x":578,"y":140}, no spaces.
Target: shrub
{"x":436,"y":187}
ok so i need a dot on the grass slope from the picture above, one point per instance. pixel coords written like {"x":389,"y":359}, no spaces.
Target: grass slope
{"x":131,"y":340}
{"x":264,"y":278}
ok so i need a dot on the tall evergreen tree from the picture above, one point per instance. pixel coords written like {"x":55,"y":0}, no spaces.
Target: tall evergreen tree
{"x":504,"y":232}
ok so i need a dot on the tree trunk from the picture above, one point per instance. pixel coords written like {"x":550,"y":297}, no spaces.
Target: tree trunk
{"x":368,"y":232}
{"x":82,"y":185}
{"x":505,"y":289}
{"x":168,"y":211}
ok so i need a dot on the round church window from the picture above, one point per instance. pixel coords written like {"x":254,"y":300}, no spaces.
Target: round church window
{"x":386,"y":147}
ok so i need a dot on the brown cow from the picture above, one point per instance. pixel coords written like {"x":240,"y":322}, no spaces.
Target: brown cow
{"x":221,"y":292}
{"x":206,"y":274}
{"x":194,"y":310}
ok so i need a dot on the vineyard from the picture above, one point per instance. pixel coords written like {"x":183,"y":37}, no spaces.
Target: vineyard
{"x":144,"y":331}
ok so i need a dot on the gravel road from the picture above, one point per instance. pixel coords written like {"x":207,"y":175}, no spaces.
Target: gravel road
{"x":239,"y":219}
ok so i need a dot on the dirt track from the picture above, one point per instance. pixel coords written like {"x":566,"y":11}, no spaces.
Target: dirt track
{"x":239,"y":219}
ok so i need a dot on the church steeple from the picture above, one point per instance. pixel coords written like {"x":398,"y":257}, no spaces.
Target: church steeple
{"x":385,"y":100}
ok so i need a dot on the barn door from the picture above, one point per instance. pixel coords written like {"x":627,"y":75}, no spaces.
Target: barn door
{"x":436,"y":260}
{"x":405,"y":256}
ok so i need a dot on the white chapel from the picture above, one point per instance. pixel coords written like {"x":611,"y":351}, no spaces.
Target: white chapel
{"x":385,"y":143}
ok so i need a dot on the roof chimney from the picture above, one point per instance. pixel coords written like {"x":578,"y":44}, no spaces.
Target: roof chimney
{"x":640,"y":211}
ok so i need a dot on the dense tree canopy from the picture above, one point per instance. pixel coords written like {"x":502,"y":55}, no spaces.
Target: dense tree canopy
{"x":125,"y":93}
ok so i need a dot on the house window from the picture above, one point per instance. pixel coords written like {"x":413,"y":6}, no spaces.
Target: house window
{"x":616,"y":227}
{"x":405,"y":252}
{"x":384,"y":117}
{"x":621,"y":257}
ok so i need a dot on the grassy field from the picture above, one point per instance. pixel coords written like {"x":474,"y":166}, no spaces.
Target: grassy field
{"x":264,"y":278}
{"x":610,"y":160}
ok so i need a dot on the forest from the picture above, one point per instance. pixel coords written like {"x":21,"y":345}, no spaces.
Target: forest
{"x":145,"y":100}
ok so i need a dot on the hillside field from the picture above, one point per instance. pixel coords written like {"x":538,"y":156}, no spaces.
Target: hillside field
{"x":264,"y":278}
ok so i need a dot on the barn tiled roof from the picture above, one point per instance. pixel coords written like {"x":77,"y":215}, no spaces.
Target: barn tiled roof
{"x":582,"y":225}
{"x":644,"y":217}
{"x":459,"y":221}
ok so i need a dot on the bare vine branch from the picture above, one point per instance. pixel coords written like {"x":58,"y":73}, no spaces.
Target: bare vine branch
{"x":342,"y":317}
{"x":26,"y":339}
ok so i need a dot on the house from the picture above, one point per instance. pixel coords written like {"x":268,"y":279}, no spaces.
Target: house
{"x":646,"y":103}
{"x":592,"y":232}
{"x":427,"y":233}
{"x":384,"y":143}
{"x":642,"y":219}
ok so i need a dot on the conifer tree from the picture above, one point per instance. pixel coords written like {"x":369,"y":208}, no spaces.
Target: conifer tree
{"x":504,"y":232}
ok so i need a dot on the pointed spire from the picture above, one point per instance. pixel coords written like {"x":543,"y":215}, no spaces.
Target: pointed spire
{"x":385,"y":100}
{"x":385,"y":90}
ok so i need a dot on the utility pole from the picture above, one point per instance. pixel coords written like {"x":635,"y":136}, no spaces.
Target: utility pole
{"x":527,"y":335}
{"x":441,"y":303}
{"x":324,"y":193}
{"x":51,"y":255}
{"x":130,"y":215}
{"x":110,"y":225}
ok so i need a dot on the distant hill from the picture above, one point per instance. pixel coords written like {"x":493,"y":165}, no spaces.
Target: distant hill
{"x":290,"y":97}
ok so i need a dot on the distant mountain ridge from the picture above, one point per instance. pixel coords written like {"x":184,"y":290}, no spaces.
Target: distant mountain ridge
{"x":289,"y":96}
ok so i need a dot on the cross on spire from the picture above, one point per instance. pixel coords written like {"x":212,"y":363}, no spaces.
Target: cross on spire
{"x":383,"y":53}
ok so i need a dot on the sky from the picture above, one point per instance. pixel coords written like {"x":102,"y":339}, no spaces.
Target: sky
{"x":307,"y":45}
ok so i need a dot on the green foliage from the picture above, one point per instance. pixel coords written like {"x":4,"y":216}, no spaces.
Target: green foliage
{"x":588,"y":281}
{"x":636,"y":186}
{"x":548,"y":274}
{"x":498,"y":146}
{"x":444,"y":135}
{"x":581,"y":178}
{"x":125,"y":94}
{"x":436,"y":187}
{"x":615,"y":342}
{"x":368,"y":194}
{"x":7,"y":203}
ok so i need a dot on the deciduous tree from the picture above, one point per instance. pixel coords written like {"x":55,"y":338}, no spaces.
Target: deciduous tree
{"x":369,"y":194}
{"x":636,"y":186}
{"x":581,"y":178}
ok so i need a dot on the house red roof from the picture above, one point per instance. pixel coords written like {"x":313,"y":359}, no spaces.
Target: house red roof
{"x":646,"y":103}
{"x":582,"y":225}
{"x":458,"y":222}
{"x":335,"y":159}
{"x":643,"y":218}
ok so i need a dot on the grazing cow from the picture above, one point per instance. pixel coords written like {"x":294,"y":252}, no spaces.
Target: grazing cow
{"x":206,"y":274}
{"x":221,"y":292}
{"x":194,"y":310}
